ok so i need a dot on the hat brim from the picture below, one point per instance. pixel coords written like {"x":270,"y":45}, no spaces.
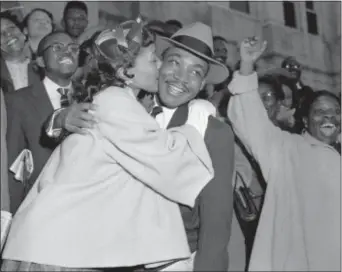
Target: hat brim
{"x":276,"y":72}
{"x":217,"y":73}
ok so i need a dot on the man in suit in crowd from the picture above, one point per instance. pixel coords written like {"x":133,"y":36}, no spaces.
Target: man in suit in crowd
{"x":188,"y":64}
{"x":16,"y":69}
{"x":29,"y":109}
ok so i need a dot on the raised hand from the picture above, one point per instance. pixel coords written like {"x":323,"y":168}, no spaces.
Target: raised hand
{"x":251,"y":49}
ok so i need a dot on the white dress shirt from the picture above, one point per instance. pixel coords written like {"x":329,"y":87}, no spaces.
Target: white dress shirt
{"x":18,"y":72}
{"x":51,"y":88}
{"x":55,"y":98}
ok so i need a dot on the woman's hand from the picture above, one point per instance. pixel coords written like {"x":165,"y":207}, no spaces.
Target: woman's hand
{"x":250,"y":50}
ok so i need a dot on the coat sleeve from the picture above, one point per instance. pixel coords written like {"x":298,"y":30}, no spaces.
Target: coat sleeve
{"x":262,"y":138}
{"x":5,"y":197}
{"x":174,"y":163}
{"x":216,"y":203}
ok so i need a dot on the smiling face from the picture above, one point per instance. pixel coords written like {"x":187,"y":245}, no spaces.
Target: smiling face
{"x":181,"y":77}
{"x":269,"y":100}
{"x":293,"y":66}
{"x":60,"y":56}
{"x":324,"y":121}
{"x":39,"y":24}
{"x":12,"y":39}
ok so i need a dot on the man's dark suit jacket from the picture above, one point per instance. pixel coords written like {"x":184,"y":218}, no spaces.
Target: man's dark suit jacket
{"x":6,"y":79}
{"x":27,"y":110}
{"x":208,"y":225}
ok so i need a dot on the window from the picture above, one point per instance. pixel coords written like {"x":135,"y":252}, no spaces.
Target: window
{"x":311,"y":17}
{"x":242,"y":6}
{"x":289,"y":14}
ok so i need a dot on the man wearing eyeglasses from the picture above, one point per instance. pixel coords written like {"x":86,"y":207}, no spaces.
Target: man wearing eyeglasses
{"x":30,"y":108}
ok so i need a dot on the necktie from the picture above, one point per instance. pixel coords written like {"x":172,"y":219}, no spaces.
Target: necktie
{"x":156,"y":110}
{"x":64,"y":97}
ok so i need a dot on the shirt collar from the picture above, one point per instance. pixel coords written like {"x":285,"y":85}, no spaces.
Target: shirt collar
{"x":313,"y":141}
{"x":53,"y":85}
{"x":166,"y":110}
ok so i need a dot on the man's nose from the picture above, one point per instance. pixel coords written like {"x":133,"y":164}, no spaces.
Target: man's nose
{"x":181,"y":75}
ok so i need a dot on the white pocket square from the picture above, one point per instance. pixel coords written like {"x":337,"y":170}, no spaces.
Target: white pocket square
{"x":22,"y":167}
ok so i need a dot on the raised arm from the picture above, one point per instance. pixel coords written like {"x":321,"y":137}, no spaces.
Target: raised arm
{"x":248,"y":115}
{"x":173,"y":162}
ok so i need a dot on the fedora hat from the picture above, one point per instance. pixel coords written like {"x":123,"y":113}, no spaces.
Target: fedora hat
{"x":196,"y":38}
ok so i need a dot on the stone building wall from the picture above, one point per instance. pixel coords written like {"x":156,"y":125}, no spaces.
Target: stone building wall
{"x":319,"y":54}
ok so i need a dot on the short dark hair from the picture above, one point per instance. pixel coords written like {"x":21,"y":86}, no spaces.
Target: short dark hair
{"x":27,"y":17}
{"x":75,"y":5}
{"x":174,"y":22}
{"x":43,"y":41}
{"x":8,"y":15}
{"x":219,"y":38}
{"x":310,"y":99}
{"x":274,"y":84}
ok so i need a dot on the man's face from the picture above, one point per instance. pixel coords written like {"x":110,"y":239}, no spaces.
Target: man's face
{"x":220,"y":51}
{"x":293,"y":66}
{"x":181,"y":77}
{"x":269,"y":100}
{"x":324,"y":122}
{"x":60,"y":56}
{"x":12,"y":39}
{"x":76,"y":21}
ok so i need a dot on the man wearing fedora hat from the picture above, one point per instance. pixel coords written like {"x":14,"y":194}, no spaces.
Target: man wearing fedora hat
{"x":188,"y":64}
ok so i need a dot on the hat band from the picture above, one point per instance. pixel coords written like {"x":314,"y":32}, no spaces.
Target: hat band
{"x":194,"y":44}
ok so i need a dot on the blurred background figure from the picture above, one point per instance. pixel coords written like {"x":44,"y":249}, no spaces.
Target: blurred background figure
{"x":75,"y":18}
{"x":36,"y":25}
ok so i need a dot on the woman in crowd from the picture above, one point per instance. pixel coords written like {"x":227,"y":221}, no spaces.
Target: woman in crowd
{"x":105,"y":199}
{"x":36,"y":25}
{"x":16,"y":69}
{"x":299,"y":228}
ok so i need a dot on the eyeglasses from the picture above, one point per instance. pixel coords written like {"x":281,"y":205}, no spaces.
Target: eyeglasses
{"x":59,"y":47}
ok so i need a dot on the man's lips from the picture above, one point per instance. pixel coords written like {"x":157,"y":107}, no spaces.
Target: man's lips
{"x":12,"y":41}
{"x":66,"y":60}
{"x":328,"y":129}
{"x":176,"y":89}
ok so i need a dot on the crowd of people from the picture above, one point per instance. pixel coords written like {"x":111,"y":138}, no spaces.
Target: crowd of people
{"x":140,"y":149}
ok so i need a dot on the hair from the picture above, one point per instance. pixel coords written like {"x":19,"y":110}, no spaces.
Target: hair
{"x":283,"y":64}
{"x":27,"y":17}
{"x":107,"y":72}
{"x":311,"y":98}
{"x":174,"y":22}
{"x":75,"y":5}
{"x":219,"y":38}
{"x":274,"y":84}
{"x":43,"y":41}
{"x":8,"y":15}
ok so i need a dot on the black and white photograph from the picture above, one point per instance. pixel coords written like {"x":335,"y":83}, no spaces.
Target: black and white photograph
{"x":145,"y":136}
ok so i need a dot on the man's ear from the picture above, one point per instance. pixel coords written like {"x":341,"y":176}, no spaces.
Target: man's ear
{"x":305,"y":121}
{"x":40,"y":61}
{"x":203,"y":84}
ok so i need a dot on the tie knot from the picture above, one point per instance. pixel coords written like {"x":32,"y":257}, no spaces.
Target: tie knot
{"x":156,"y":110}
{"x":63,"y":91}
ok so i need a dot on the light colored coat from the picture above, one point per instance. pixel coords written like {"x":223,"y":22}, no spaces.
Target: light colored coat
{"x":96,"y":204}
{"x":299,"y":227}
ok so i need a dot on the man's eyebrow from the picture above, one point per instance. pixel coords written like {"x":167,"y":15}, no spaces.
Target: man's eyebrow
{"x":173,"y":55}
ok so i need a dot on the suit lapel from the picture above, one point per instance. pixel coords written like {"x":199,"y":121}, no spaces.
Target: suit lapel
{"x":6,"y":79}
{"x":32,"y":76}
{"x":179,"y":117}
{"x":40,"y":100}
